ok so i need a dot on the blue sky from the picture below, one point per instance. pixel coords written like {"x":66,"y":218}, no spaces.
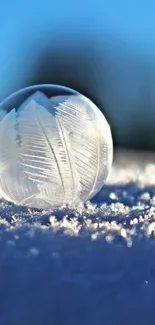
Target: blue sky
{"x":28,"y":27}
{"x":105,"y":49}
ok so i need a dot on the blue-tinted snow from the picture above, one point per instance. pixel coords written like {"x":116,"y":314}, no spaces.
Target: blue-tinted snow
{"x":95,"y":265}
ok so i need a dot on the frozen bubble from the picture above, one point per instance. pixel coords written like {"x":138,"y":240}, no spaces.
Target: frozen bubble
{"x":55,"y":147}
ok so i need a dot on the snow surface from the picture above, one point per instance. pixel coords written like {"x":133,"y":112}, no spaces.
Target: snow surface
{"x":95,"y":265}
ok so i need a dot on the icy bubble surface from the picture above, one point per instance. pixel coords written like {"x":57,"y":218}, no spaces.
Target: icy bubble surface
{"x":54,"y":151}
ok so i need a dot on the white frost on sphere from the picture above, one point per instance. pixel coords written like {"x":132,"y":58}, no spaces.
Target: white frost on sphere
{"x":54,"y":151}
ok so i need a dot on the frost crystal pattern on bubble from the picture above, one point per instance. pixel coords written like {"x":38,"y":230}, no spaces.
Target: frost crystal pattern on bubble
{"x":53,"y":151}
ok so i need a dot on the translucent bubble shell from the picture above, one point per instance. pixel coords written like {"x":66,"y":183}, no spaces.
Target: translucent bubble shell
{"x":55,"y":147}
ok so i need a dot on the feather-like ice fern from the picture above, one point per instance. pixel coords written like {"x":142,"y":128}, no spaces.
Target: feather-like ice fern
{"x":90,"y":143}
{"x":37,"y":164}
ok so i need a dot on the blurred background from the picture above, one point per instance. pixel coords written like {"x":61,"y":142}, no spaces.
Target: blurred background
{"x":104,"y":49}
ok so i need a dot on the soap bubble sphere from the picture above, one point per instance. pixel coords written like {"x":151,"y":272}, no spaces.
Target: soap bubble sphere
{"x":55,"y":147}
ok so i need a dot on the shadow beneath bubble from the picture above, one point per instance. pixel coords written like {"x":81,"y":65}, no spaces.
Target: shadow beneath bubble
{"x":128,"y":194}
